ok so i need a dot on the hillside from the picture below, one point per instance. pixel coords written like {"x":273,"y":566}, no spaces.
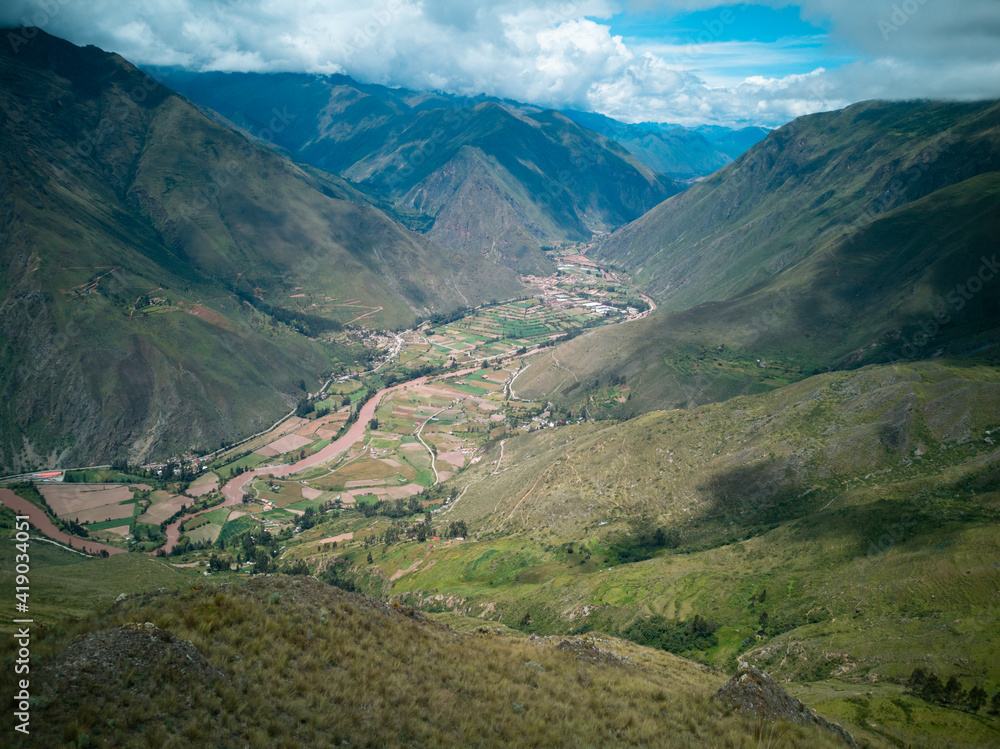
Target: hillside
{"x":478,"y":174}
{"x":805,"y":186}
{"x":291,"y":661}
{"x":839,"y":533}
{"x":863,"y":505}
{"x":796,"y":260}
{"x":167,"y":283}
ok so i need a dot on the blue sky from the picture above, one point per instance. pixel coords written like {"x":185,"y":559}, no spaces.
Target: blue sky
{"x":685,"y":61}
{"x":726,"y":44}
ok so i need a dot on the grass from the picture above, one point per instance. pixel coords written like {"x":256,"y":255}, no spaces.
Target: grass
{"x":108,"y":524}
{"x":305,"y":664}
{"x":246,"y":462}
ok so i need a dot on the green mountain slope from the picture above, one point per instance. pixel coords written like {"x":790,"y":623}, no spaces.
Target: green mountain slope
{"x":864,"y":503}
{"x":531,"y":177}
{"x":168,"y":284}
{"x":807,"y":184}
{"x":781,"y":292}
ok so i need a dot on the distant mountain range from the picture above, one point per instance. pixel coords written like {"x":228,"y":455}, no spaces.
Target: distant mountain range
{"x":845,"y":238}
{"x":477,"y":174}
{"x":167,"y":281}
{"x":677,"y":151}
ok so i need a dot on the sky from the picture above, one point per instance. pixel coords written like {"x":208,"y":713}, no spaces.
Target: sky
{"x":680,"y":61}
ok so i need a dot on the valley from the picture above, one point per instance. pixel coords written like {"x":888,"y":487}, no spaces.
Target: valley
{"x":362,"y":425}
{"x":344,"y":413}
{"x":427,"y":480}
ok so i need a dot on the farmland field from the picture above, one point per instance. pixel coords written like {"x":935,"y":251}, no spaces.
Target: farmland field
{"x":71,"y":499}
{"x":164,"y":505}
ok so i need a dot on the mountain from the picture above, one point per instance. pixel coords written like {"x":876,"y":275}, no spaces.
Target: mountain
{"x":807,"y":185}
{"x":733,"y":142}
{"x":167,"y":282}
{"x":479,"y":175}
{"x":842,"y":239}
{"x":674,"y":150}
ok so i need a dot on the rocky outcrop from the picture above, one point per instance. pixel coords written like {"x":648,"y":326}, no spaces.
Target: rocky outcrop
{"x":754,"y":692}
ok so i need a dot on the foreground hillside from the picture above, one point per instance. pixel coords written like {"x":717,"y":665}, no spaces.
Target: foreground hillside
{"x":168,"y":284}
{"x":839,"y":532}
{"x":291,"y":661}
{"x":477,"y":174}
{"x":843,"y":239}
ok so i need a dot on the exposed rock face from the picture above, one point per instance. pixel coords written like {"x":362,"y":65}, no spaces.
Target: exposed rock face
{"x":752,"y":691}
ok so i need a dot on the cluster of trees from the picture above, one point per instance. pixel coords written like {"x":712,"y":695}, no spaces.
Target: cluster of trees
{"x":184,"y":546}
{"x":257,"y":546}
{"x":456,"y":529}
{"x":174,"y":471}
{"x":263,"y":563}
{"x":218,"y":563}
{"x":74,"y":528}
{"x":613,"y":381}
{"x":421,"y":531}
{"x":396,"y":508}
{"x":400,"y":508}
{"x":673,"y":635}
{"x":339,"y":573}
{"x":304,"y":407}
{"x":423,"y":370}
{"x":311,"y":517}
{"x":928,"y":686}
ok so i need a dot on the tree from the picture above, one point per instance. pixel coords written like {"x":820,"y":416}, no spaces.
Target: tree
{"x":763,"y":622}
{"x":995,"y":704}
{"x":261,"y":562}
{"x":370,"y":560}
{"x":953,"y":692}
{"x":975,"y":699}
{"x":917,"y":680}
{"x":933,"y":689}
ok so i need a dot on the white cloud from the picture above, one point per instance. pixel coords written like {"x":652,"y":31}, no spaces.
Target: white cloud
{"x":563,"y":54}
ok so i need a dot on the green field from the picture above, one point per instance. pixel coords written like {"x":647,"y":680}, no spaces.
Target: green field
{"x":237,"y":526}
